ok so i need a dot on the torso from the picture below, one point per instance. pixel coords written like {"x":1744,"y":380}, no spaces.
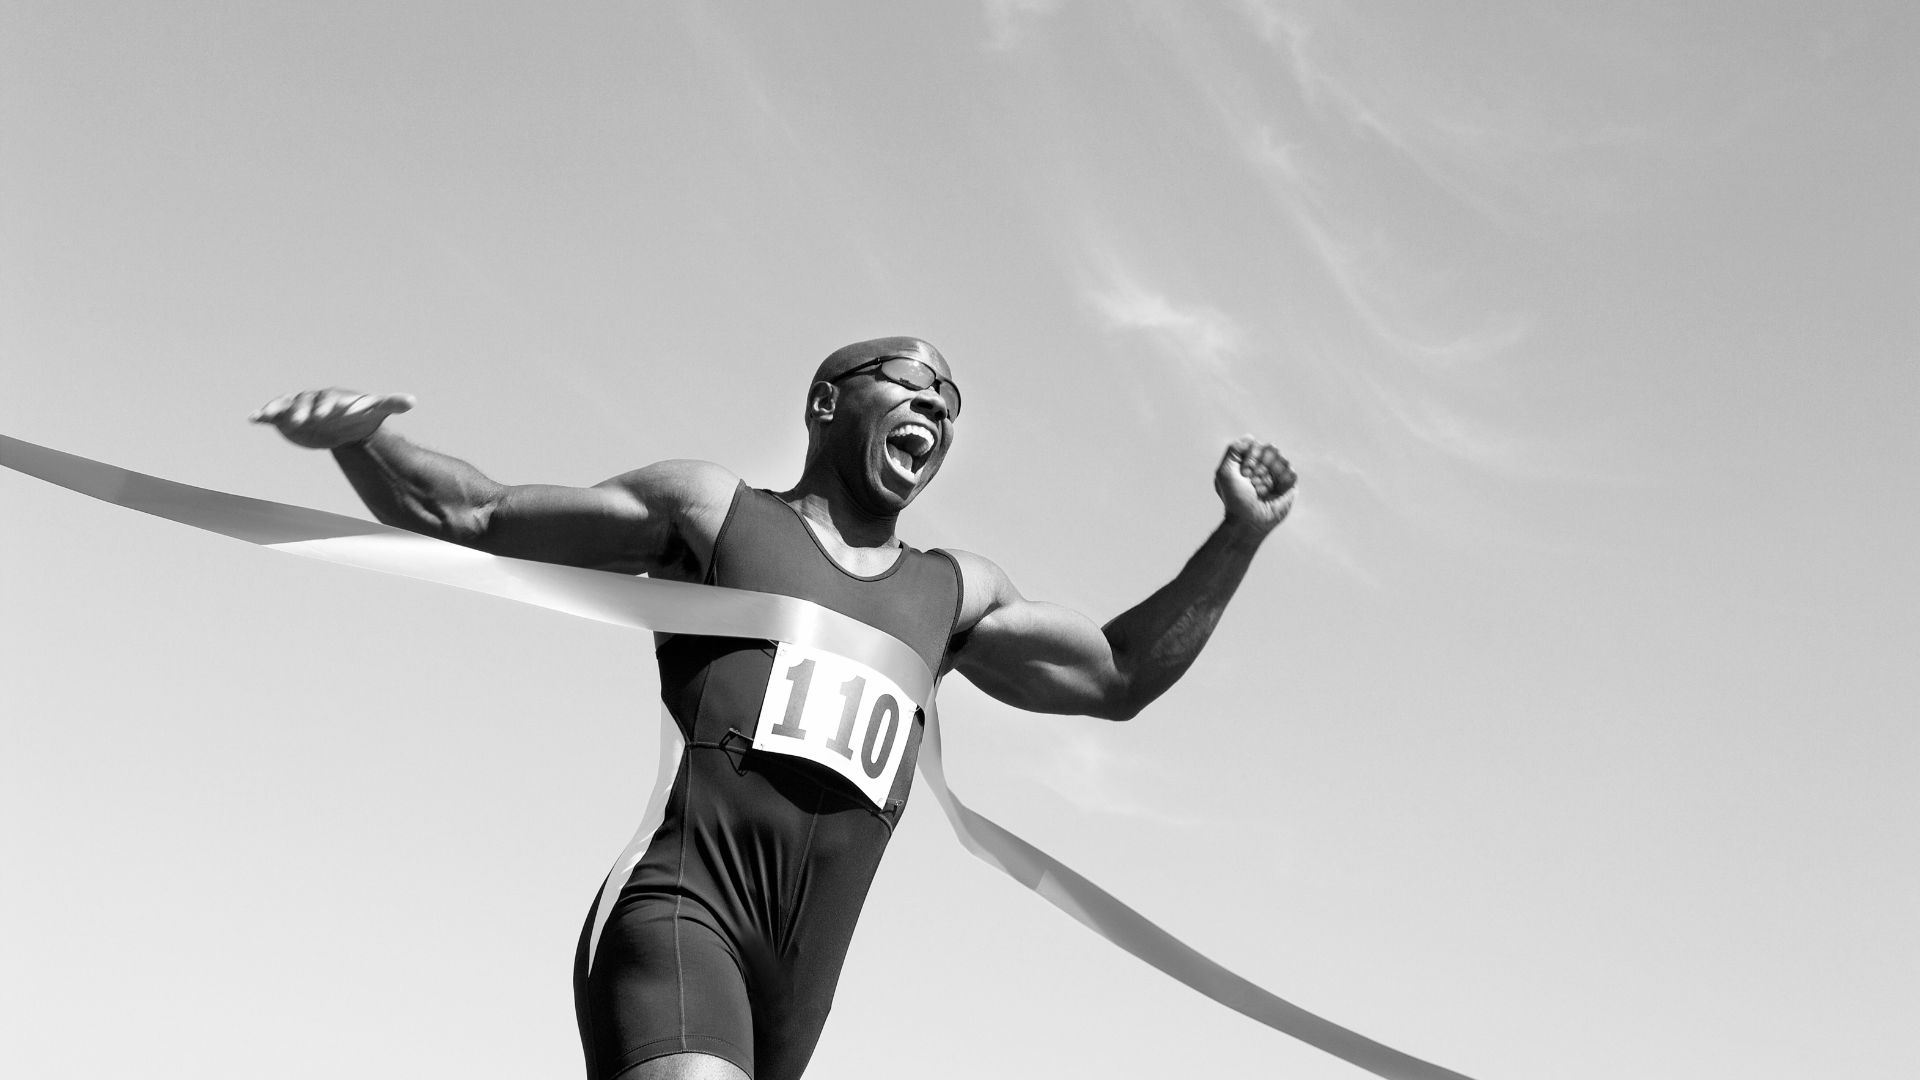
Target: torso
{"x":766,"y":854}
{"x":764,"y":545}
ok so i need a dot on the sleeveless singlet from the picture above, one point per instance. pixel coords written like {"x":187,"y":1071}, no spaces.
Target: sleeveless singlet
{"x":723,"y":929}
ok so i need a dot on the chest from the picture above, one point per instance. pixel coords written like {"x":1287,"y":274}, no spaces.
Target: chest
{"x":912,"y":595}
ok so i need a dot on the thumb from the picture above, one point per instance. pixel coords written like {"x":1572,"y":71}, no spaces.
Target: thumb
{"x":1232,"y":462}
{"x":377,"y":407}
{"x":389,"y":404}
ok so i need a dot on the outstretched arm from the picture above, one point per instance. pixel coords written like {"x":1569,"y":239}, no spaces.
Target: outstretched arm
{"x":643,"y":521}
{"x":1047,"y":658}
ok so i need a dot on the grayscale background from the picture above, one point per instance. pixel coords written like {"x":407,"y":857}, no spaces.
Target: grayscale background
{"x":1567,"y":731}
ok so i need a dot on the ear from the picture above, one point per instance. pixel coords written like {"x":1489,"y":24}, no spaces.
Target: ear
{"x":822,"y":399}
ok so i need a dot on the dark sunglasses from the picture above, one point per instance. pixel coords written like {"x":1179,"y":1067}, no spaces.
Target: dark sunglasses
{"x":912,"y":374}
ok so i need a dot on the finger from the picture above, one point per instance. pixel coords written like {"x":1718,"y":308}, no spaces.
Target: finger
{"x":1284,"y":477}
{"x":270,"y":412}
{"x":359,"y":406}
{"x":327,"y":404}
{"x":1279,"y":473}
{"x":302,"y":408}
{"x":392,"y":404}
{"x":1255,"y":459}
{"x":1234,"y":458}
{"x":377,"y":407}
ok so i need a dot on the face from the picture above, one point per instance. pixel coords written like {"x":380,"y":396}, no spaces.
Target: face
{"x":887,"y":440}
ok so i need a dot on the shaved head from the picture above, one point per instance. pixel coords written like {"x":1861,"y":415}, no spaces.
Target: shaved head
{"x":848,"y":357}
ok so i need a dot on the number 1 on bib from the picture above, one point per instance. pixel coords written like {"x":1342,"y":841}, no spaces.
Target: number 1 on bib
{"x":838,"y":713}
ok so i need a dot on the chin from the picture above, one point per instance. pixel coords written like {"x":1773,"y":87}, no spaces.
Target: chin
{"x":895,"y":501}
{"x":885,"y":490}
{"x":876,"y":498}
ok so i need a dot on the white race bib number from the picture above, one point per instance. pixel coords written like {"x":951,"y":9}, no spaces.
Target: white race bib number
{"x":839,"y":713}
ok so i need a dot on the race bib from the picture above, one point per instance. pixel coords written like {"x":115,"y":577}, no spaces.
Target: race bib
{"x":839,"y":713}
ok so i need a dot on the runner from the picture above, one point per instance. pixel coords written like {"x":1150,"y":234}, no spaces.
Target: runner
{"x":713,"y":948}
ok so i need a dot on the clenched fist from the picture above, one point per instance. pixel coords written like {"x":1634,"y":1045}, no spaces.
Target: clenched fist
{"x":331,"y":418}
{"x":1255,"y":483}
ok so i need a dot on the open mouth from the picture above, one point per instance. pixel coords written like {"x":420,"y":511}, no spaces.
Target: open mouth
{"x":908,"y":448}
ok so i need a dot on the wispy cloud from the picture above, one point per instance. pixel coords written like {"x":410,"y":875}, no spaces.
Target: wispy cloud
{"x":1009,"y":20}
{"x":1348,"y":262}
{"x":1420,"y":396}
{"x":1392,"y":365}
{"x":1192,"y":334}
{"x":1289,"y":32}
{"x":1292,"y":36}
{"x":1203,"y":347}
{"x":1450,"y":430}
{"x":1309,"y":166}
{"x":1496,"y":150}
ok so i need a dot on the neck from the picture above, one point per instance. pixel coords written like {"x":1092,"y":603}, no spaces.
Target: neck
{"x":822,"y":498}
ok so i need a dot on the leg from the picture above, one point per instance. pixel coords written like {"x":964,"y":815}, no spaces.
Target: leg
{"x":663,"y":998}
{"x":685,"y":1067}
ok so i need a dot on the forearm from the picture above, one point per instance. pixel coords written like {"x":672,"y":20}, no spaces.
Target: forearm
{"x":417,"y":489}
{"x":1156,"y":641}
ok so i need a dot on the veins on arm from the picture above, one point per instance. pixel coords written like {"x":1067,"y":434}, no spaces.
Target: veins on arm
{"x":417,"y":489}
{"x":659,"y":519}
{"x":1157,"y":640}
{"x":648,"y":520}
{"x":1182,"y":641}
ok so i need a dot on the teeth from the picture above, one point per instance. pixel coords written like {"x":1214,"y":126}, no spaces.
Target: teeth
{"x":913,"y":438}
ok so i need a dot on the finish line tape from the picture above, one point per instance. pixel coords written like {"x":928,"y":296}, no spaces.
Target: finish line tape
{"x":679,"y":608}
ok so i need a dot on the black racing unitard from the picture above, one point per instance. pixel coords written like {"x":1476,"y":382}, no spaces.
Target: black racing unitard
{"x":723,"y":929}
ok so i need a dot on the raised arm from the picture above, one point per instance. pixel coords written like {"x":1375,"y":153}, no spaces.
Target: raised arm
{"x":655,"y":519}
{"x":1046,"y":658}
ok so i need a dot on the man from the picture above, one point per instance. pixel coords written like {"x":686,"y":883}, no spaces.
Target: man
{"x":714,"y":947}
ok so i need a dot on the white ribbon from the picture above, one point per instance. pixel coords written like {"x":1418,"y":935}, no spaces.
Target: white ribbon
{"x":675,"y":607}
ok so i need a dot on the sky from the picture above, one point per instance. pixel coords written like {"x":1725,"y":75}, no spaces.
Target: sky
{"x":1565,"y":730}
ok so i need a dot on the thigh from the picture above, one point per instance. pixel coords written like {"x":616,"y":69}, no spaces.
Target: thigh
{"x":663,"y":981}
{"x":792,"y":998}
{"x":685,"y":1067}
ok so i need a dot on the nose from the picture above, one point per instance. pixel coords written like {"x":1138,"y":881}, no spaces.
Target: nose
{"x":930,"y":402}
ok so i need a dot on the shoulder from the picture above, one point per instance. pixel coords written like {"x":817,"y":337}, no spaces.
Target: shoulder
{"x":983,"y":587}
{"x":676,"y":487}
{"x":683,"y":502}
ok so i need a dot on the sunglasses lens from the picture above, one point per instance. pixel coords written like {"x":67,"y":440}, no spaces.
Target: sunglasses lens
{"x":916,"y":375}
{"x":911,"y":374}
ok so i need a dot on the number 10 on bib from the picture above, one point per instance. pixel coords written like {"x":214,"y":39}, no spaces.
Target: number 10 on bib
{"x":839,"y":713}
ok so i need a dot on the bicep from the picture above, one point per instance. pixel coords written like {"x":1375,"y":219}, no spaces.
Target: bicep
{"x":633,"y":523}
{"x":1038,"y":656}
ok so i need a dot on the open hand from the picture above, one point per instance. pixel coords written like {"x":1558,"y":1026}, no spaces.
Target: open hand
{"x":331,"y":418}
{"x":1255,"y":483}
